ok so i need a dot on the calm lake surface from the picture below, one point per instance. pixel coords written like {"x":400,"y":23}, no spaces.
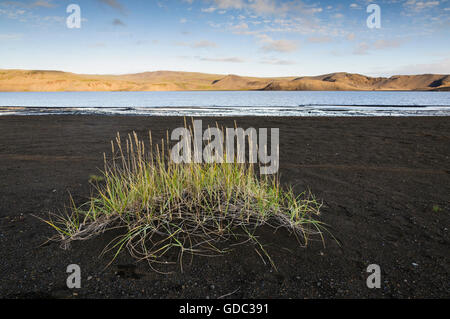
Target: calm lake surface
{"x":228,"y":103}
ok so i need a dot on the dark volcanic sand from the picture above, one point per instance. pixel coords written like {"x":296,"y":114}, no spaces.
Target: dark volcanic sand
{"x":379,"y":179}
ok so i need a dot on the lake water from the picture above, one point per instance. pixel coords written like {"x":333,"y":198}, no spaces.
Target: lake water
{"x":228,"y":103}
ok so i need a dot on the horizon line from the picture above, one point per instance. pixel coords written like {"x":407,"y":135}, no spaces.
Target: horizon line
{"x":223,"y":74}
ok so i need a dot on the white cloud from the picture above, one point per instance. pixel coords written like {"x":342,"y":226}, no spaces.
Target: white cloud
{"x":24,"y":13}
{"x":436,"y":67}
{"x":417,"y":6}
{"x":114,"y":4}
{"x":322,"y":39}
{"x":230,"y":4}
{"x":240,"y":27}
{"x":386,"y":44}
{"x":361,"y":49}
{"x":204,"y":44}
{"x":10,"y":36}
{"x":350,"y":36}
{"x":230,"y":59}
{"x":43,"y":3}
{"x":12,"y":13}
{"x":197,"y":45}
{"x":209,"y":10}
{"x":270,"y":7}
{"x":277,"y":62}
{"x":315,"y":10}
{"x":282,"y":45}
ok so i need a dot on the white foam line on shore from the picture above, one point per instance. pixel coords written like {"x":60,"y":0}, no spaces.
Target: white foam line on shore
{"x":233,"y":111}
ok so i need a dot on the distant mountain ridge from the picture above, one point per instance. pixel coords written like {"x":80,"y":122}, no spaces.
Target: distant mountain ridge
{"x":43,"y":80}
{"x":354,"y":82}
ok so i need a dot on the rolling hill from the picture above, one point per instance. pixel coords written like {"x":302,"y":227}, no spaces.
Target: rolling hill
{"x":44,"y":80}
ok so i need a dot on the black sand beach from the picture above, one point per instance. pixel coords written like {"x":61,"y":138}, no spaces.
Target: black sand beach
{"x":379,"y":179}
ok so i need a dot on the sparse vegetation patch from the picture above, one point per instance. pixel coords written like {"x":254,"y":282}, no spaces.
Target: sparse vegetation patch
{"x":195,"y":208}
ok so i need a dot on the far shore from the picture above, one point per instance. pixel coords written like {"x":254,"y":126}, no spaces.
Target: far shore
{"x":57,"y":81}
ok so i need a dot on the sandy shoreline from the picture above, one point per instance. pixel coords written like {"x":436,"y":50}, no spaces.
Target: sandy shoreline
{"x":379,"y":179}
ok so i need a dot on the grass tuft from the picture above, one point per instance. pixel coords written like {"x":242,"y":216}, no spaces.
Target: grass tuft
{"x":195,"y":208}
{"x":436,"y":208}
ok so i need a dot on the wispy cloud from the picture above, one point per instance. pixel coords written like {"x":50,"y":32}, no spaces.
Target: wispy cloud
{"x":198,"y":45}
{"x":12,"y":13}
{"x":324,"y":39}
{"x":10,"y":36}
{"x":24,"y":12}
{"x":241,"y":28}
{"x":29,"y":5}
{"x":277,"y":62}
{"x":209,"y":10}
{"x":204,"y":44}
{"x":229,"y":59}
{"x":439,"y":67}
{"x":43,"y":3}
{"x":350,"y":37}
{"x":270,"y":7}
{"x":417,"y":6}
{"x":115,"y":5}
{"x":97,"y":45}
{"x":387,"y":44}
{"x":364,"y":47}
{"x":282,"y":45}
{"x":230,"y":4}
{"x":361,"y":49}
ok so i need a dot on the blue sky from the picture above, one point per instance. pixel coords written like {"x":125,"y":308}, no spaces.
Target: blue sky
{"x":245,"y":37}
